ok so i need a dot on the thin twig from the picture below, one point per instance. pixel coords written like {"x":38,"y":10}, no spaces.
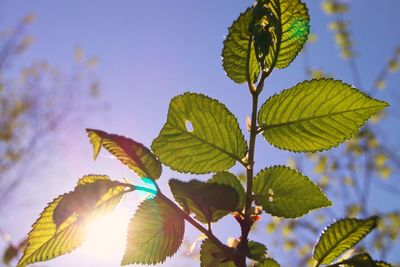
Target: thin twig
{"x":197,"y":225}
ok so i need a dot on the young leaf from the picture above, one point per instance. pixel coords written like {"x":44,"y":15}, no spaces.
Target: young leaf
{"x":287,"y":193}
{"x":341,"y":236}
{"x":315,"y":115}
{"x":133,"y":154}
{"x":212,"y":256}
{"x":268,"y":263}
{"x":155,"y":233}
{"x":262,"y":25}
{"x":383,"y":264}
{"x":257,"y":251}
{"x":201,"y":136}
{"x":208,"y":201}
{"x":229,"y":179}
{"x":49,"y":239}
{"x":361,"y":260}
{"x":290,"y":28}
{"x":238,"y":56}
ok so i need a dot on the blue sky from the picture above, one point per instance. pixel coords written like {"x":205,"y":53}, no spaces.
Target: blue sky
{"x":150,"y":51}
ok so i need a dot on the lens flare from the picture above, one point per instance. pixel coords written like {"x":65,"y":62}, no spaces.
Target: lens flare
{"x":106,"y":236}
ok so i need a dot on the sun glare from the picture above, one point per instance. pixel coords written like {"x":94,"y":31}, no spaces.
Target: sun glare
{"x":107,"y":235}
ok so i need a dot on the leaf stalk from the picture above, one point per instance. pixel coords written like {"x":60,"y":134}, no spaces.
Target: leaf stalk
{"x":197,"y":225}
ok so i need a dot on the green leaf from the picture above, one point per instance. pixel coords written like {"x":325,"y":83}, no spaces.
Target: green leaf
{"x":84,"y":198}
{"x":261,"y":27}
{"x":315,"y":115}
{"x":238,"y":55}
{"x":273,"y":32}
{"x":287,"y":193}
{"x":208,"y":201}
{"x":212,"y":256}
{"x":155,"y":233}
{"x":290,"y":29}
{"x":229,"y":179}
{"x":268,"y":263}
{"x":49,"y":239}
{"x":201,"y":136}
{"x":131,"y":153}
{"x":257,"y":251}
{"x":361,"y":260}
{"x":383,"y":264}
{"x":341,"y":236}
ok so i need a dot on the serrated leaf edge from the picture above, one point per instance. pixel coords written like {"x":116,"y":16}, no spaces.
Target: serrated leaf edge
{"x":26,"y":261}
{"x":236,"y":158}
{"x":293,"y":171}
{"x":138,"y":161}
{"x":373,"y":218}
{"x":302,"y":45}
{"x":384,"y":105}
{"x":125,"y":262}
{"x":248,"y":56}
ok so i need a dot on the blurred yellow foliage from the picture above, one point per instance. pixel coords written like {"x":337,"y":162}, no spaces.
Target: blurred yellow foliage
{"x":333,"y":7}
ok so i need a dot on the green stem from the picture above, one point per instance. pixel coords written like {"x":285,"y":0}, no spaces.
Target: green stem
{"x":197,"y":225}
{"x":250,"y":165}
{"x":247,"y":222}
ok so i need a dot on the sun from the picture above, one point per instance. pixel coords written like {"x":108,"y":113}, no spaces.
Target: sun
{"x":106,"y":236}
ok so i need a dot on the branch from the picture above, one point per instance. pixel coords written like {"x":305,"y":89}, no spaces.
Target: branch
{"x":197,"y":225}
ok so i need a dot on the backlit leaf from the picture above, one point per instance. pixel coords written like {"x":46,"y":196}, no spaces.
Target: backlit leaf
{"x":238,"y":55}
{"x":155,"y":233}
{"x":361,"y":260}
{"x":268,"y":263}
{"x":290,"y":28}
{"x":201,"y":136}
{"x":383,"y":264}
{"x":315,"y":115}
{"x":83,"y":199}
{"x":261,"y":27}
{"x":229,"y":179}
{"x":341,"y":236}
{"x":48,"y":239}
{"x":212,"y":256}
{"x":287,"y":193}
{"x":131,"y":153}
{"x":208,"y":201}
{"x":257,"y":251}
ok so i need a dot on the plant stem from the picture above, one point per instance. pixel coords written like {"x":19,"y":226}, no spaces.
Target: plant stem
{"x":247,"y":222}
{"x":197,"y":225}
{"x":250,"y":165}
